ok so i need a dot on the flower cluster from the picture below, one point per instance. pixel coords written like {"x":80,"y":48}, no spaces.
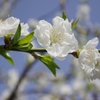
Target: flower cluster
{"x":59,"y":40}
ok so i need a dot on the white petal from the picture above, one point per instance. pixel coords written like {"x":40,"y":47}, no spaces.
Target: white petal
{"x":57,"y":21}
{"x":54,"y":50}
{"x":24,"y":30}
{"x":12,"y":21}
{"x":73,"y":44}
{"x":45,"y":23}
{"x":58,"y":51}
{"x":42,"y":35}
{"x":67,"y":25}
{"x":92,"y":43}
{"x":84,"y":61}
{"x":65,"y":49}
{"x":96,"y":74}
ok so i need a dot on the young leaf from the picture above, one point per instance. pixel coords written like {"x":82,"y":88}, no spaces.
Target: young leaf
{"x":24,"y":47}
{"x":64,"y":16}
{"x":74,"y":24}
{"x":7,"y":57}
{"x":26,"y":39}
{"x":17,"y":35}
{"x":49,"y":62}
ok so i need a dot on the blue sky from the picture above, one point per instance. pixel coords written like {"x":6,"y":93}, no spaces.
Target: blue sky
{"x":26,"y":9}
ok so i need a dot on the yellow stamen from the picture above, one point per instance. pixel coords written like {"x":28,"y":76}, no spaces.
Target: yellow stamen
{"x":2,"y":21}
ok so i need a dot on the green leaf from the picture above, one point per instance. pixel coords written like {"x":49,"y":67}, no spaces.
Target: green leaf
{"x":7,"y":57}
{"x":64,"y":16}
{"x":24,"y":47}
{"x":17,"y":35}
{"x":49,"y":62}
{"x":26,"y":39}
{"x":74,"y":24}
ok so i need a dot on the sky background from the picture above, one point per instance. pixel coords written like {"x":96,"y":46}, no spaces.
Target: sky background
{"x":26,"y":9}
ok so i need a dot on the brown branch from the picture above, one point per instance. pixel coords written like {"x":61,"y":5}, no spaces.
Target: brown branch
{"x":63,"y":5}
{"x":28,"y":67}
{"x":3,"y":5}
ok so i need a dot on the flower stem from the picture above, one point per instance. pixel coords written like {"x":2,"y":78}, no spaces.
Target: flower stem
{"x":2,"y":47}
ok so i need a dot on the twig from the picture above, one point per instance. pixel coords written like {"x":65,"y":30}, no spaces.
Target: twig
{"x":28,"y":67}
{"x":63,"y":5}
{"x":5,"y":10}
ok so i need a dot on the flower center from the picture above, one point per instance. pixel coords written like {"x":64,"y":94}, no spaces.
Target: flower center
{"x":90,"y":57}
{"x":2,"y":21}
{"x":56,"y":36}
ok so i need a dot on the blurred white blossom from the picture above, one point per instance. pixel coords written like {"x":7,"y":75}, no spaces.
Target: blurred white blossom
{"x":58,"y":39}
{"x":23,"y":85}
{"x":89,"y":59}
{"x":83,"y":11}
{"x":5,"y":94}
{"x":32,"y":23}
{"x":78,"y":85}
{"x":9,"y":26}
{"x":48,"y":97}
{"x":13,"y":77}
{"x":65,"y":89}
{"x":30,"y":58}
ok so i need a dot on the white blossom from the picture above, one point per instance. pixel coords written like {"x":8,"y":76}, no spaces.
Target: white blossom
{"x":65,"y":89}
{"x":58,"y":39}
{"x":89,"y":59}
{"x":9,"y":26}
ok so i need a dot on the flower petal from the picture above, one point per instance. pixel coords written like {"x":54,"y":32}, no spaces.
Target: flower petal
{"x":46,"y":24}
{"x":92,"y":43}
{"x":57,"y":21}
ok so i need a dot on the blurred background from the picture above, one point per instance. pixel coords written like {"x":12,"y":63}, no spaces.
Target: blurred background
{"x":31,"y":80}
